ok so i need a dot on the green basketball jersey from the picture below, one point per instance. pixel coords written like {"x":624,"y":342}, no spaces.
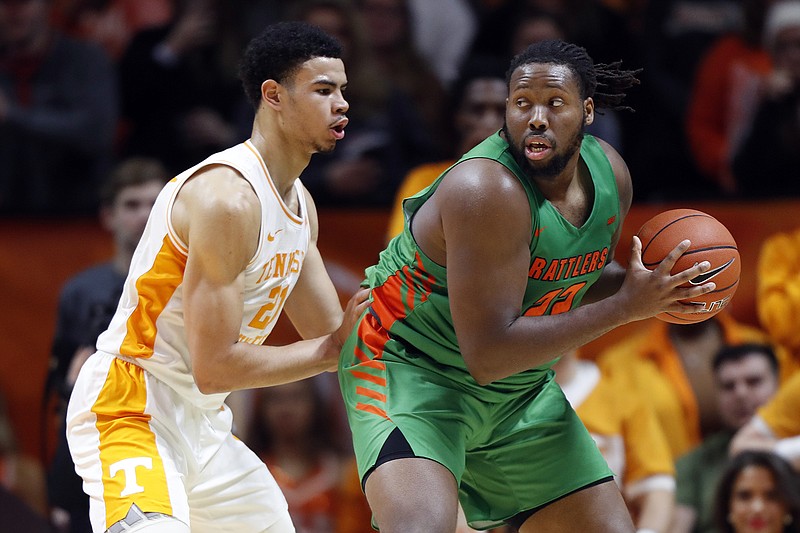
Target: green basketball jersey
{"x":409,"y":290}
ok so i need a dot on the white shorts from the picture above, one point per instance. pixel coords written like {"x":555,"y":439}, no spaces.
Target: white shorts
{"x":135,"y":440}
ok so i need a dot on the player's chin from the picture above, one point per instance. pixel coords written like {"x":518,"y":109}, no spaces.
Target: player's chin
{"x":326,"y":147}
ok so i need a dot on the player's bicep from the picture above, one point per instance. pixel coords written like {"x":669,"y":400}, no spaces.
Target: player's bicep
{"x":487,"y":235}
{"x":221,"y":231}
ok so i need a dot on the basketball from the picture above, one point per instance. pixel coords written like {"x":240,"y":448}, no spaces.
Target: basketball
{"x":711,"y":241}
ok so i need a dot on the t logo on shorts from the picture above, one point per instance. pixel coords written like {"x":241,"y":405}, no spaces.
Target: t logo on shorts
{"x":129,"y":467}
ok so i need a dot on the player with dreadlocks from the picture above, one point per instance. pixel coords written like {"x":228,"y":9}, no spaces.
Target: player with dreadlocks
{"x":505,"y":263}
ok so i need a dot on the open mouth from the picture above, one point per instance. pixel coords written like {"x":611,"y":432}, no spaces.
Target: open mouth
{"x":338,"y":129}
{"x":537,"y":148}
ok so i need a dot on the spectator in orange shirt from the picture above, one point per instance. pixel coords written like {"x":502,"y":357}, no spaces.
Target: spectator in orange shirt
{"x":671,"y":365}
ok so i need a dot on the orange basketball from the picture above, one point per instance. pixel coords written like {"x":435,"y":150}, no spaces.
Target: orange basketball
{"x":711,"y":241}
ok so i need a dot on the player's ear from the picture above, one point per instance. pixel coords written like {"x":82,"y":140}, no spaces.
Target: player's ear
{"x":588,"y":111}
{"x":270,"y":93}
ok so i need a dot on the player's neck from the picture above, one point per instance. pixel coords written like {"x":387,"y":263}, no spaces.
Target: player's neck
{"x":284,"y":162}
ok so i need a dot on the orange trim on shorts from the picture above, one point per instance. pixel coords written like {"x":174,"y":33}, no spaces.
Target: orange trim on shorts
{"x":133,"y":471}
{"x":370,"y":369}
{"x":363,"y":391}
{"x":372,"y":409}
{"x":377,"y":380}
{"x":155,"y":288}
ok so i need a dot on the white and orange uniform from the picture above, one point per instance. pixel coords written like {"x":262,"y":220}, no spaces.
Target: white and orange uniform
{"x":139,"y":429}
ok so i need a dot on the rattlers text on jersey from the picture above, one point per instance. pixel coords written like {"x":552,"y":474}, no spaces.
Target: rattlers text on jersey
{"x":147,"y":328}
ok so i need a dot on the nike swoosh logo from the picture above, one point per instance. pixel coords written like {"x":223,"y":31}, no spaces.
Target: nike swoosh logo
{"x":702,"y":278}
{"x":538,"y":231}
{"x":271,"y":236}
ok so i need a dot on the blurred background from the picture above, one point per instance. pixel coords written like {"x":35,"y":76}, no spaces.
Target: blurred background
{"x":98,"y":98}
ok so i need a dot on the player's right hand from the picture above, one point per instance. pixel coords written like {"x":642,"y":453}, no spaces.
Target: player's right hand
{"x":647,"y":293}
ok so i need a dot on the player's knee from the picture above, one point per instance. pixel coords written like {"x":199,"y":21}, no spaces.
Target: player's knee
{"x":149,"y":523}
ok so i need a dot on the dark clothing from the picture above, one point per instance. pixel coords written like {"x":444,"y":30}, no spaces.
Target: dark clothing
{"x":56,"y":143}
{"x":767,"y":161}
{"x":86,"y":305}
{"x":158,"y":90}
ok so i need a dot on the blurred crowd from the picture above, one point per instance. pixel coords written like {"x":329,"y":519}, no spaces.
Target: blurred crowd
{"x":102,"y":101}
{"x":85,"y":84}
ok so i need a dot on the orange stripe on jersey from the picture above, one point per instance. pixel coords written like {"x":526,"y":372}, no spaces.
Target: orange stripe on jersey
{"x":155,"y":287}
{"x":369,"y":377}
{"x":132,"y":468}
{"x":372,"y":409}
{"x":363,"y":391}
{"x":397,"y":297}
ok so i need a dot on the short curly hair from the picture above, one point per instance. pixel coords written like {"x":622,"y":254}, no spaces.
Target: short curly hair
{"x":279,"y":51}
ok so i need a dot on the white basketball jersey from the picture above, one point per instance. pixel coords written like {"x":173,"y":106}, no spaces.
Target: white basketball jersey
{"x":148,"y":326}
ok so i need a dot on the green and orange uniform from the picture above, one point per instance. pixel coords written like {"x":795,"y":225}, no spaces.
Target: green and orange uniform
{"x":515,"y":444}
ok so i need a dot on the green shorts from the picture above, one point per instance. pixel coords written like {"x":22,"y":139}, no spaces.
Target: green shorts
{"x":507,"y":457}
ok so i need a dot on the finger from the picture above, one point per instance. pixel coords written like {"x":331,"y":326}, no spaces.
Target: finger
{"x":636,"y":250}
{"x":688,"y":307}
{"x":665,"y":266}
{"x":686,"y":294}
{"x":692,"y":273}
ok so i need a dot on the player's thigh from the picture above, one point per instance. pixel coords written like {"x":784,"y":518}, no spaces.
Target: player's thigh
{"x":234,"y":492}
{"x":598,"y":508}
{"x":123,"y":456}
{"x":413,"y":494}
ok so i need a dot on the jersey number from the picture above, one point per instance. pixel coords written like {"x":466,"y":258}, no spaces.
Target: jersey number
{"x":270,"y":310}
{"x":556,"y":301}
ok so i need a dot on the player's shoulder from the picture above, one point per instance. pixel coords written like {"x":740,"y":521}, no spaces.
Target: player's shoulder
{"x":612,"y":154}
{"x":481,"y":175}
{"x":219,"y":187}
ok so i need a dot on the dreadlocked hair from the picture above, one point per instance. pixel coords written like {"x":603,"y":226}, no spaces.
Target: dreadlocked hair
{"x":606,"y":83}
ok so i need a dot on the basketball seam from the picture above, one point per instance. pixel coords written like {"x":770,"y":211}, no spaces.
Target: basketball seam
{"x":671,"y":223}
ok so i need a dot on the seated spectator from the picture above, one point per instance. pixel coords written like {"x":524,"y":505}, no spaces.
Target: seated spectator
{"x":292,"y":434}
{"x":670,"y":364}
{"x":478,"y":109}
{"x":387,"y":134}
{"x":86,"y":304}
{"x":389,"y":29}
{"x":777,"y":298}
{"x":776,"y":425}
{"x":724,"y":95}
{"x":20,"y":475}
{"x":58,"y":114}
{"x":626,"y":430}
{"x":110,"y":23}
{"x":745,"y":377}
{"x":770,"y":152}
{"x":180,"y":95}
{"x":758,"y":491}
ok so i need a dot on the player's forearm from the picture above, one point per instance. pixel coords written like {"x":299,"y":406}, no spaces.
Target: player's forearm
{"x":529,"y":342}
{"x":245,"y":366}
{"x":655,"y":511}
{"x":609,"y":282}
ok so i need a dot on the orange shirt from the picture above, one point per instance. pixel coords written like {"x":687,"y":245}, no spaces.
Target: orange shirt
{"x":723,"y":99}
{"x":647,"y":362}
{"x":416,"y":180}
{"x":778,"y":296}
